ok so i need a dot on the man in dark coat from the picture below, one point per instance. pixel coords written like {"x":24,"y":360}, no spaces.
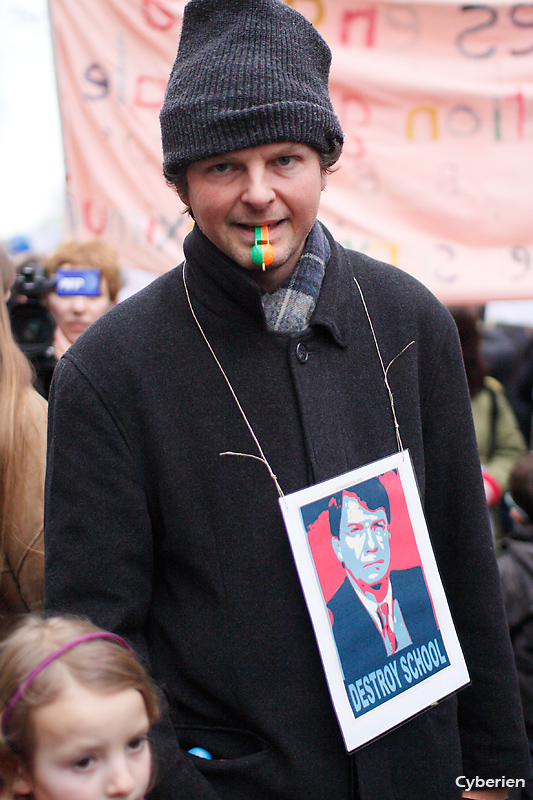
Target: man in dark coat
{"x":181,"y":415}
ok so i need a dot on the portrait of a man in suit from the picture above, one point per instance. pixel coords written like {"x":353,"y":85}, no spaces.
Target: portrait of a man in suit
{"x":376,"y":612}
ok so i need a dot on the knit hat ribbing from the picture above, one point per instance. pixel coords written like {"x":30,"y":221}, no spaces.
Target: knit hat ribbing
{"x":247,"y":73}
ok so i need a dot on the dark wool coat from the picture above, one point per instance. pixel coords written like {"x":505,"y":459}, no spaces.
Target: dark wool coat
{"x":153,"y":533}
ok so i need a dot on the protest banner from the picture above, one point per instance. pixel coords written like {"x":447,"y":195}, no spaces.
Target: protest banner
{"x":435,"y":99}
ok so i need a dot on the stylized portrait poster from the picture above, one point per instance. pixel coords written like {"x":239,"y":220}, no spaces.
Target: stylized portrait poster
{"x":372,"y":587}
{"x":435,"y":98}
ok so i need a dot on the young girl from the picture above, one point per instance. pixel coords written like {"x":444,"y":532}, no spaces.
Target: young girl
{"x":76,"y":707}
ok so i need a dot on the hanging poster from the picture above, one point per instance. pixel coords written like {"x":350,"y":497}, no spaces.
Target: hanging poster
{"x":380,"y":615}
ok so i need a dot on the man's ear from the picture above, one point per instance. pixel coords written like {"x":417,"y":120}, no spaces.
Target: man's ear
{"x":184,"y":197}
{"x":336,"y":544}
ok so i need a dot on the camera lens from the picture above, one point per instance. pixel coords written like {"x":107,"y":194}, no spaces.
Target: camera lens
{"x":33,"y":327}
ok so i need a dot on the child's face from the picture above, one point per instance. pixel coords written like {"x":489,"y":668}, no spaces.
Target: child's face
{"x":90,"y":746}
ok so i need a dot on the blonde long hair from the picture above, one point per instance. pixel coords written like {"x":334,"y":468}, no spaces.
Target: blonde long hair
{"x":15,"y":381}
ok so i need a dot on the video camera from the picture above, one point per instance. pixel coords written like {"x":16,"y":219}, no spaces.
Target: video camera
{"x":32,"y":324}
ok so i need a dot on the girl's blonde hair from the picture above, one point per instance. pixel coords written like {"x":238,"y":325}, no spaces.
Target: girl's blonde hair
{"x":102,"y":665}
{"x":15,"y":412}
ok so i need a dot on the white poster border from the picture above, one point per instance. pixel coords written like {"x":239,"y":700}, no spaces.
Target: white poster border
{"x":359,"y":730}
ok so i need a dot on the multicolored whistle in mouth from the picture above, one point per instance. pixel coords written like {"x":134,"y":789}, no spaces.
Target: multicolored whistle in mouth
{"x":262,"y":251}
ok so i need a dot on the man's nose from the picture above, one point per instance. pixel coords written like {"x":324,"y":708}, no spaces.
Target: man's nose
{"x":258,"y":191}
{"x":371,"y":544}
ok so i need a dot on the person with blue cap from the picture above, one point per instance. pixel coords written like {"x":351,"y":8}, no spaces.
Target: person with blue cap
{"x":252,"y":370}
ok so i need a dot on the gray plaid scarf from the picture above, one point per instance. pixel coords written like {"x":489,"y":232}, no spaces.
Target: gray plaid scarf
{"x":289,"y":308}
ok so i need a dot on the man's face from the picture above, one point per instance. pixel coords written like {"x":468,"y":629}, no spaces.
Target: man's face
{"x":364,"y":541}
{"x":277,"y":185}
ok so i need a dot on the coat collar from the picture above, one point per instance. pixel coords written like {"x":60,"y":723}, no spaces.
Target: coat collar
{"x":218,"y":283}
{"x":338,"y":299}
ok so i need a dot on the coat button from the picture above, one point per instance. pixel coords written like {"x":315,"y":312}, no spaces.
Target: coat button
{"x":301,"y":352}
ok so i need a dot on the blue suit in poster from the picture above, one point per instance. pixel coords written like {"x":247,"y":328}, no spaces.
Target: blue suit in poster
{"x":383,"y":622}
{"x":360,"y":644}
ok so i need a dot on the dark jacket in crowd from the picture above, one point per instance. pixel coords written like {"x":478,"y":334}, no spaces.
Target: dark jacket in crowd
{"x":516,"y":569}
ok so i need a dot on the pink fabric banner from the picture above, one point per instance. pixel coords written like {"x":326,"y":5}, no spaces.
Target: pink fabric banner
{"x":435,"y":99}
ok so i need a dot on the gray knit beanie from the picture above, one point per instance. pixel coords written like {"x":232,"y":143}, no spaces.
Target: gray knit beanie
{"x":247,"y":73}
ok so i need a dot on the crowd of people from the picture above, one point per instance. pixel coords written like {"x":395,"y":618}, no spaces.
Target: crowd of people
{"x":176,"y":656}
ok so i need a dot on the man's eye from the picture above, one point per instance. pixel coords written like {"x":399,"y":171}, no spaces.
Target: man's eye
{"x":286,"y":161}
{"x":220,"y":169}
{"x":354,"y":530}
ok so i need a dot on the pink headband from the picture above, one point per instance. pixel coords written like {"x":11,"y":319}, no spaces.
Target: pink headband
{"x":13,"y":700}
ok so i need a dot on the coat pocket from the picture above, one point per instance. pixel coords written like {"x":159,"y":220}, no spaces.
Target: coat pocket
{"x":230,"y":748}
